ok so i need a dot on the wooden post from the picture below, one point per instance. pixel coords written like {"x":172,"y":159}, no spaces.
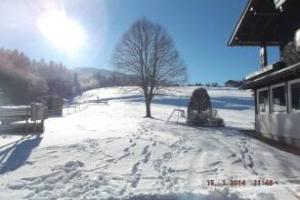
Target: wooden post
{"x":34,"y":127}
{"x":27,"y":120}
{"x":263,"y":55}
{"x":256,"y":102}
{"x":287,"y":98}
{"x":270,"y":100}
{"x":42,"y":126}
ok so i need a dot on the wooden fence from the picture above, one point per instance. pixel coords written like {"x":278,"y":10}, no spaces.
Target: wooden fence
{"x":30,"y":118}
{"x":23,"y":119}
{"x":80,"y":106}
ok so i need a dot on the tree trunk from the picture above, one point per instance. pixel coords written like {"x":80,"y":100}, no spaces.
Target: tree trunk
{"x":148,"y":107}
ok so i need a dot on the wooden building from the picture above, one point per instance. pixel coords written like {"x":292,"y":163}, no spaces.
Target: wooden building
{"x":276,"y":23}
{"x":54,"y":105}
{"x":233,"y":83}
{"x":23,"y":119}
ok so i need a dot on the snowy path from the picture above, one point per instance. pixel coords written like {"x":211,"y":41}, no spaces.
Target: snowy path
{"x":111,"y":151}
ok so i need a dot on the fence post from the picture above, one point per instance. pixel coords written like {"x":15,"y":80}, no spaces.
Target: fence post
{"x":28,"y":114}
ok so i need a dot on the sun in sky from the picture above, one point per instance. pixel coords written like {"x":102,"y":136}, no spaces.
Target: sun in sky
{"x":63,"y":32}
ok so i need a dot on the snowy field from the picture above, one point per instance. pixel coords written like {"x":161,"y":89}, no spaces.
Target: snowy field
{"x":112,"y":152}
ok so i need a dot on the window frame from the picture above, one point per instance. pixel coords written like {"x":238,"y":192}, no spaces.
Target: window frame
{"x":257,"y":103}
{"x":290,"y":83}
{"x":285,"y":97}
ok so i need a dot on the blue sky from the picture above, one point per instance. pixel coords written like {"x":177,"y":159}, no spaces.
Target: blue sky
{"x":199,"y":28}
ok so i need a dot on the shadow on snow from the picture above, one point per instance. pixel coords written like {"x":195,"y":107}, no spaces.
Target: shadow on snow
{"x":231,"y":103}
{"x":14,"y":155}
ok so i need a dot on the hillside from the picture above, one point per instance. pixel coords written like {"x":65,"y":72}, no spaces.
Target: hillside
{"x":90,"y":71}
{"x":90,"y":78}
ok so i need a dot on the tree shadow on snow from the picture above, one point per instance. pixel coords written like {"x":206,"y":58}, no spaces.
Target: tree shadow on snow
{"x":233,"y":103}
{"x":230,"y":103}
{"x":14,"y":155}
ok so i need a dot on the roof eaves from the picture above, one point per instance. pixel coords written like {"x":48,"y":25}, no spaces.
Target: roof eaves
{"x":233,"y":35}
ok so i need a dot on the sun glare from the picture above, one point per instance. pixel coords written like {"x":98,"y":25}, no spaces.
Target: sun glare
{"x":64,"y":32}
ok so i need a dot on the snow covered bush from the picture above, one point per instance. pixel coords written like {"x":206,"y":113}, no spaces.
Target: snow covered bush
{"x":200,"y":112}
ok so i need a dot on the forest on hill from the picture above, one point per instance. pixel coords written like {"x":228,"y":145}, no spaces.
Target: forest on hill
{"x":23,"y":80}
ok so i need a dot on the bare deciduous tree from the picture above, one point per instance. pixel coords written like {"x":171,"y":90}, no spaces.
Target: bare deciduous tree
{"x":147,"y":53}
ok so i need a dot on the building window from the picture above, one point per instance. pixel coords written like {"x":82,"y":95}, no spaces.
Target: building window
{"x":295,"y":96}
{"x":263,"y":101}
{"x":278,"y":99}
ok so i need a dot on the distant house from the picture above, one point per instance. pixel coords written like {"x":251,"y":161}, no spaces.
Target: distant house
{"x":277,"y":86}
{"x":233,"y":83}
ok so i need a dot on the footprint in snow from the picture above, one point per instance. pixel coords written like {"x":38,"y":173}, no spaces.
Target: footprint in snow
{"x":136,"y":180}
{"x":145,"y":150}
{"x":167,"y":156}
{"x":133,"y":144}
{"x":215,"y":163}
{"x":110,"y":160}
{"x":236,"y":161}
{"x":135,"y":168}
{"x":231,"y":155}
{"x":245,"y":150}
{"x":147,"y":157}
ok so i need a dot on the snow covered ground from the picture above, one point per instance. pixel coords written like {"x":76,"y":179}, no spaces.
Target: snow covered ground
{"x":112,"y":152}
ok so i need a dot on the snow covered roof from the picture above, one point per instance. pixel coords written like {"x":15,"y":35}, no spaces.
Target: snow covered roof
{"x":260,"y":72}
{"x":272,"y":76}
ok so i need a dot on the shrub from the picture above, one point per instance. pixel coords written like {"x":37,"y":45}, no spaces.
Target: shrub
{"x":200,"y":112}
